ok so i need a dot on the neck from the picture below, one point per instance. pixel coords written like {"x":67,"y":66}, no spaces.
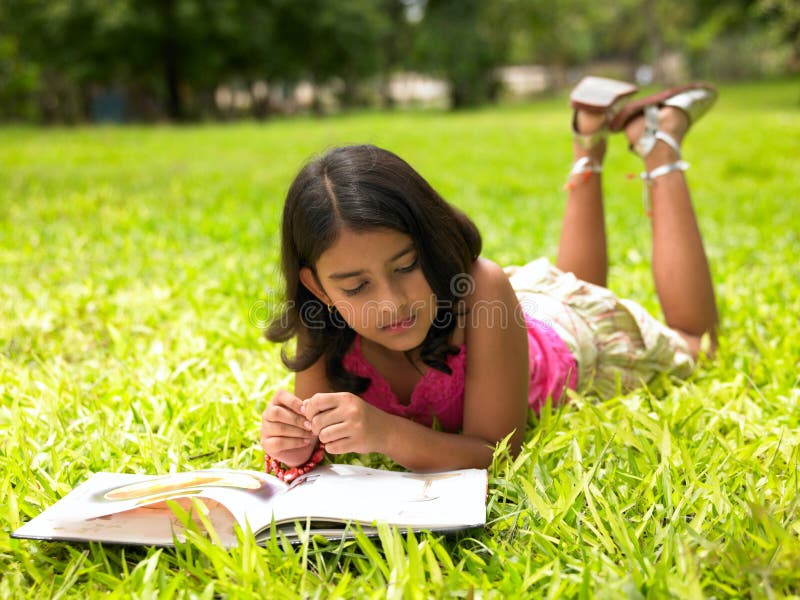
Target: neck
{"x":374,"y":350}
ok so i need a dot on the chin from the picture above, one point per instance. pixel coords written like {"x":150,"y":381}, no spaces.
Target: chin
{"x":405,"y":343}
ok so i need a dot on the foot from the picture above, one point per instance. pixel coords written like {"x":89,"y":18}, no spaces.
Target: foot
{"x":586,"y":123}
{"x":596,"y":102}
{"x":672,"y":121}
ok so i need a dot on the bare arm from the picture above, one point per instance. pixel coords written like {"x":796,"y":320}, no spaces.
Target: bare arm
{"x":496,"y":390}
{"x":346,"y":423}
{"x":419,"y":448}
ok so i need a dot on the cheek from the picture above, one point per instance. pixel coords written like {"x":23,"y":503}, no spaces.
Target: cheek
{"x":359,"y":315}
{"x":424,"y":298}
{"x":349,"y":311}
{"x":421,"y":287}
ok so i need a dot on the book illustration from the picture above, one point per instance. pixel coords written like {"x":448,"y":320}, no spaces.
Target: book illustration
{"x":181,"y":483}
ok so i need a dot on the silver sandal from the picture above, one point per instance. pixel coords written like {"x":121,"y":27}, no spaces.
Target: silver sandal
{"x":694,"y":100}
{"x":597,"y":95}
{"x":644,"y":146}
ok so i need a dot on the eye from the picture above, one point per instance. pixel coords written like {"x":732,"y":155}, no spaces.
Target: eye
{"x":409,"y":268}
{"x":355,"y":290}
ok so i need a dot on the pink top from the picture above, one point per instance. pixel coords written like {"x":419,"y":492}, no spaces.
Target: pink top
{"x":441,"y":396}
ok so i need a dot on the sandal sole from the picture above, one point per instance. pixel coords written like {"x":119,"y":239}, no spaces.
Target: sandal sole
{"x":598,"y":94}
{"x":636,"y":108}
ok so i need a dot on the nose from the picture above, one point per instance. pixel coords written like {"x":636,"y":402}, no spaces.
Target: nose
{"x":393,"y":301}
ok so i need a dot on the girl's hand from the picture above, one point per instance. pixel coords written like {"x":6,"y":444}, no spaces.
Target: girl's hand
{"x":345,"y":423}
{"x":283,"y":436}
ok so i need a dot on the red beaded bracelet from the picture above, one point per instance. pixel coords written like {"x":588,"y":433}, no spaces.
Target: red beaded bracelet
{"x":287,"y":474}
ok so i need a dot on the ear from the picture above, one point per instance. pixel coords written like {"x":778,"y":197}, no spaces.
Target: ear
{"x":308,"y":279}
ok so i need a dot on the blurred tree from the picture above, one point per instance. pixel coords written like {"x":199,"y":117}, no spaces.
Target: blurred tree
{"x":396,"y":44}
{"x":56,"y":54}
{"x":189,"y":45}
{"x":172,"y":47}
{"x":39,"y":28}
{"x":181,"y":49}
{"x":19,"y":77}
{"x":785,"y":14}
{"x":560,"y":31}
{"x":351,"y":40}
{"x":569,"y":33}
{"x":462,"y":41}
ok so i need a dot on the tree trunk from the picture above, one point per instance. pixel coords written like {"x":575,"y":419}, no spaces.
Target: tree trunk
{"x":385,"y":87}
{"x":654,"y":35}
{"x":172,"y":82}
{"x":169,"y":61}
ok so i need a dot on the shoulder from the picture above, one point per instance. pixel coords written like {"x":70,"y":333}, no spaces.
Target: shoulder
{"x":491,"y":308}
{"x":488,"y":282}
{"x":484,"y":291}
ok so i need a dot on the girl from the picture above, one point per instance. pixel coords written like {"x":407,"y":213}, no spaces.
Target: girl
{"x":412,"y":345}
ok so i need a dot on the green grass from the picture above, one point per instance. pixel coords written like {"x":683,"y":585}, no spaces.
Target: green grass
{"x":134,"y":263}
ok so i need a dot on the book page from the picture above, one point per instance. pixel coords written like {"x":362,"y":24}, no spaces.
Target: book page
{"x":414,"y":500}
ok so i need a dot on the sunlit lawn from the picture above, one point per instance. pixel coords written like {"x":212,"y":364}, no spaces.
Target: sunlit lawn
{"x":135,"y":268}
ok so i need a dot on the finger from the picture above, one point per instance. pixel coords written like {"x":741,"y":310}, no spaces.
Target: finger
{"x":340,"y":446}
{"x":289,"y":400}
{"x":279,"y":414}
{"x":275,"y":429}
{"x":334,"y":433}
{"x":277,"y":445}
{"x":319,"y":403}
{"x":325,"y":419}
{"x":346,"y":410}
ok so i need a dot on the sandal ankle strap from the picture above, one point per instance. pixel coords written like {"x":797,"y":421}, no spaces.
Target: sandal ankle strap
{"x":649,"y":177}
{"x":581,"y":170}
{"x":669,"y":141}
{"x":678,"y":165}
{"x":587,"y":141}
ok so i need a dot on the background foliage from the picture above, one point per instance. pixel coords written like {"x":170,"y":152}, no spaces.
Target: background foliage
{"x":169,"y":55}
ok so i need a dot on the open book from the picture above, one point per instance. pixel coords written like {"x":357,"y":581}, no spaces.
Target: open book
{"x":132,"y":509}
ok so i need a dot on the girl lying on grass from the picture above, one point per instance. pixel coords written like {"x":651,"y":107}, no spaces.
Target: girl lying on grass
{"x":401,"y":325}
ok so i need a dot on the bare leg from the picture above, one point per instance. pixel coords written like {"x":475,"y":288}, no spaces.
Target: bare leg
{"x":582,"y":248}
{"x":680,"y":267}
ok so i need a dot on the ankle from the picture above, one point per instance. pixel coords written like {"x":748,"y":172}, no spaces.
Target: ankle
{"x":589,"y":130}
{"x":662,"y":154}
{"x":596,"y":154}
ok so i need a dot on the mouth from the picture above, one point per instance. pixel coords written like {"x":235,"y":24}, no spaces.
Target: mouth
{"x":400,"y":325}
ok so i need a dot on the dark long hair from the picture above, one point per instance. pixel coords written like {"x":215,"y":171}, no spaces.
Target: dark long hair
{"x":364,"y":188}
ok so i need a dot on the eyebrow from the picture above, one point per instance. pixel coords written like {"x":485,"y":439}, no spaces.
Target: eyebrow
{"x":348,"y":274}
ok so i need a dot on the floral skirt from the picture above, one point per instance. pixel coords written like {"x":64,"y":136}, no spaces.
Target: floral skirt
{"x":617,"y":344}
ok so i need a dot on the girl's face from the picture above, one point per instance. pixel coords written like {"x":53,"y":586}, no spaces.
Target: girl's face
{"x":375,"y":281}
